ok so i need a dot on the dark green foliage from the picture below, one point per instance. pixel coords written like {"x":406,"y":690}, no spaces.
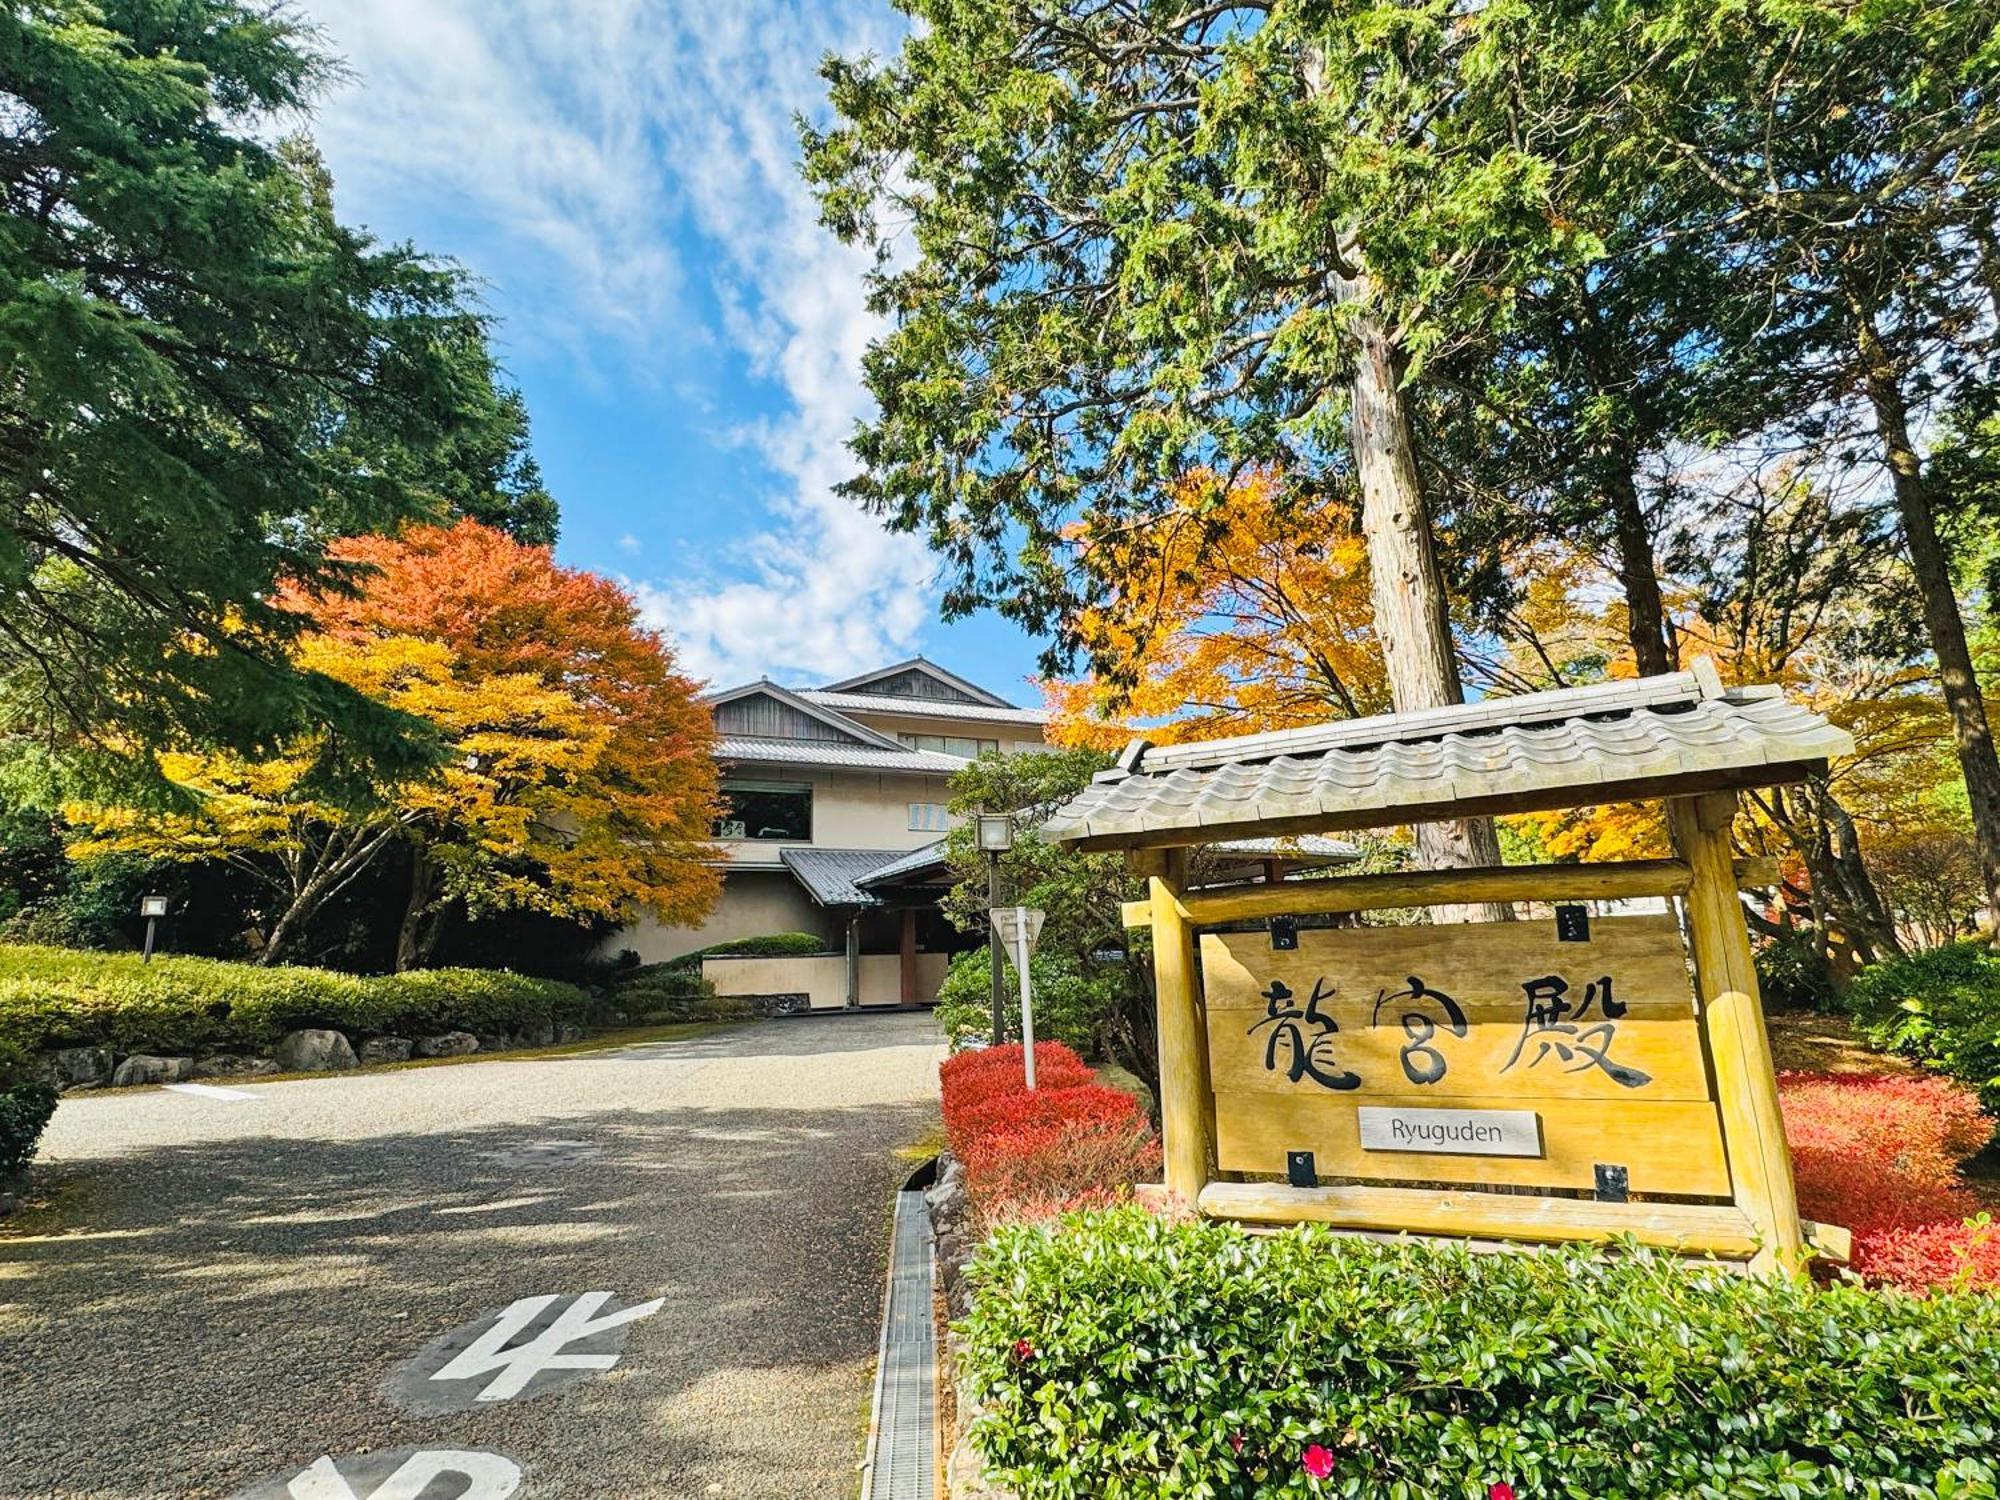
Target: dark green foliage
{"x":1124,"y":1357}
{"x":1791,"y":974}
{"x":25,"y":1108}
{"x":207,"y":377}
{"x":1070,"y":1006}
{"x":1941,"y":1008}
{"x":26,"y":1103}
{"x":51,"y":998}
{"x":1083,"y":939}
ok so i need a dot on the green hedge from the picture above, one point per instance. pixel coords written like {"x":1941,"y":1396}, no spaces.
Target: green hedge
{"x":1941,"y":1008}
{"x":769,"y":945}
{"x":1123,"y":1356}
{"x":25,"y":1108}
{"x":1069,"y":1007}
{"x":56,"y":997}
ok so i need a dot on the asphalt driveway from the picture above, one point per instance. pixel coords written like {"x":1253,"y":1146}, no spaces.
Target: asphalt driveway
{"x":233,"y":1292}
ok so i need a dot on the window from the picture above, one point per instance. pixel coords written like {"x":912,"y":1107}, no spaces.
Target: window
{"x":929,"y":817}
{"x":951,"y":744}
{"x":765,"y":810}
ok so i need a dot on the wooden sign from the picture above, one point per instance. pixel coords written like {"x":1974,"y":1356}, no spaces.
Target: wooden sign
{"x":1484,"y":1054}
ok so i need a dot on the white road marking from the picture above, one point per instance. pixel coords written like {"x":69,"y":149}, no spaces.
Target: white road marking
{"x":207,"y":1091}
{"x":492,"y":1477}
{"x":489,"y":1352}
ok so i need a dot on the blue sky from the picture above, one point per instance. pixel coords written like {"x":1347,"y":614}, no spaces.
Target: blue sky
{"x":622,"y":176}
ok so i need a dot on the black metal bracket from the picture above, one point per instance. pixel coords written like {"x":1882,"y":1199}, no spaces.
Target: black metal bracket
{"x":1614,"y":1184}
{"x":1572,"y":924}
{"x":1284,"y":933}
{"x":1300,"y":1169}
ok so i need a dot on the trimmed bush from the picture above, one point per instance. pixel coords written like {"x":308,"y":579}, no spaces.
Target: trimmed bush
{"x":1941,"y":1008}
{"x":1879,"y":1156}
{"x":1121,"y":1355}
{"x":54,"y":997}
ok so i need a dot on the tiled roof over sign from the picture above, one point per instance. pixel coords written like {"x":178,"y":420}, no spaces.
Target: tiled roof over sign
{"x":1614,"y":742}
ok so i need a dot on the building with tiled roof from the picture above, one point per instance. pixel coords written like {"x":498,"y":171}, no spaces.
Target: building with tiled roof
{"x":825,"y":787}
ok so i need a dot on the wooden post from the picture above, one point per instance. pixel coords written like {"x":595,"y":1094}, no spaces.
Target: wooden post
{"x":907,"y":970}
{"x":1186,"y":1103}
{"x":1753,"y":1128}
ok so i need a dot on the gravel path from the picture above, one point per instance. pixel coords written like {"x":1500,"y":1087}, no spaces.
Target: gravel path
{"x":222,"y":1289}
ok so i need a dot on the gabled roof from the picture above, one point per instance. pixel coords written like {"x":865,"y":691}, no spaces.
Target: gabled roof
{"x":930,"y":669}
{"x":746,"y":750}
{"x":829,"y":874}
{"x":925,"y":708}
{"x":838,"y":722}
{"x":1615,"y":742}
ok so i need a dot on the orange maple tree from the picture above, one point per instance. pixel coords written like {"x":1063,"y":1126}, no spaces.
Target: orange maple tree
{"x":578,"y":777}
{"x":629,"y":834}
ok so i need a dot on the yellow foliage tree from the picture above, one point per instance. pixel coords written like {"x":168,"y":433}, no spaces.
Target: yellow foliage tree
{"x":1240,"y":609}
{"x":495,"y":810}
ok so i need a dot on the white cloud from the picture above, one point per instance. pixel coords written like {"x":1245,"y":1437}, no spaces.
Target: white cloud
{"x":596,"y":139}
{"x":630,"y":545}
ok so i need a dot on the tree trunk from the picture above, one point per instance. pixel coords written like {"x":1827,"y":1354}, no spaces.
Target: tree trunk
{"x":1638,"y":575}
{"x":417,"y":938}
{"x":1408,"y":585}
{"x":1971,"y":732}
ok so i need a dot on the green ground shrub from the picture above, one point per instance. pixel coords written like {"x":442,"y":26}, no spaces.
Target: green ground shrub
{"x":1070,"y":1007}
{"x":54,"y":997}
{"x":1941,"y":1008}
{"x":1121,"y":1355}
{"x":662,"y":994}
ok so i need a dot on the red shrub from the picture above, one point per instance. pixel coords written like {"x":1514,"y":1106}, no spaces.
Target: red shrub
{"x":1008,"y":1114}
{"x":1072,"y":1141}
{"x":1879,"y":1156}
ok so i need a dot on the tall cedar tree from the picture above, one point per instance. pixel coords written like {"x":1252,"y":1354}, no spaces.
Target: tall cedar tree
{"x":1854,"y":154}
{"x":206,"y":377}
{"x":1152,"y":238}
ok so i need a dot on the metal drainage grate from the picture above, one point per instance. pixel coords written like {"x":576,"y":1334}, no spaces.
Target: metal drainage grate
{"x":902,"y":1441}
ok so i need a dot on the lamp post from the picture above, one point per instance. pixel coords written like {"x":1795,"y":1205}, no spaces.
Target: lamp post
{"x":996,"y":837}
{"x":152,"y":908}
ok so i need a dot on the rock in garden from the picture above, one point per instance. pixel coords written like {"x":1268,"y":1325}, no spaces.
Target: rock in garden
{"x":80,"y":1067}
{"x":144,"y":1067}
{"x":537,"y":1034}
{"x":233,"y":1065}
{"x":494,"y":1042}
{"x":313,"y":1051}
{"x":386,"y":1049}
{"x":569,"y":1031}
{"x":448,"y":1044}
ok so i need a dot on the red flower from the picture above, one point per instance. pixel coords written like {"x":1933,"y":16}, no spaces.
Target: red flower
{"x":1500,"y":1489}
{"x":1236,"y":1443}
{"x":1317,"y":1461}
{"x":1023,"y":1350}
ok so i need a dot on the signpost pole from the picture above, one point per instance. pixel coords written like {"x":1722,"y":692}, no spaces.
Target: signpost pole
{"x":1027,"y":1001}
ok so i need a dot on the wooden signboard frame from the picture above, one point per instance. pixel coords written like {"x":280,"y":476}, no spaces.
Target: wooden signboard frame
{"x":1756,"y":1221}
